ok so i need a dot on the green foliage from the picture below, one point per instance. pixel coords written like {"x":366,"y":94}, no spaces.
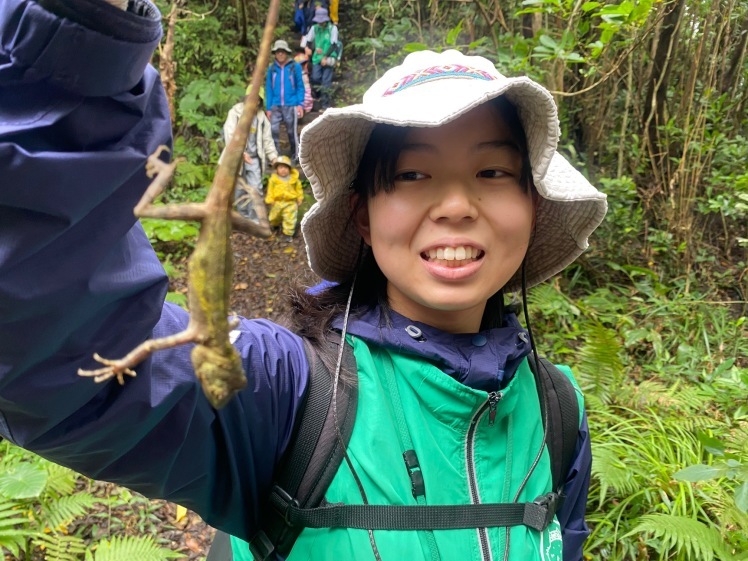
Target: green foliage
{"x":59,"y":547}
{"x":15,"y":527}
{"x":691,"y":538}
{"x":730,"y":466}
{"x":173,"y":237}
{"x":40,"y":500}
{"x":129,"y":548}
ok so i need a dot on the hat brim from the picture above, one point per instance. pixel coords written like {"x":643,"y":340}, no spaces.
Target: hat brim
{"x":331,"y":148}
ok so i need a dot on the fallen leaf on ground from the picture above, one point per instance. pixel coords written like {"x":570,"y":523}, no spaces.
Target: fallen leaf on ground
{"x":241,"y":286}
{"x":193,"y":544}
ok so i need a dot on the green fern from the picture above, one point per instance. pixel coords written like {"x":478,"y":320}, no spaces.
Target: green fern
{"x":130,"y":548}
{"x":600,"y":367}
{"x":58,"y":547}
{"x":685,"y":535}
{"x":611,"y":471}
{"x":62,"y":511}
{"x":14,"y":528}
{"x":61,"y":480}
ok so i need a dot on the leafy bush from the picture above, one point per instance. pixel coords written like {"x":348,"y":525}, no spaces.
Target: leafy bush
{"x":40,"y":501}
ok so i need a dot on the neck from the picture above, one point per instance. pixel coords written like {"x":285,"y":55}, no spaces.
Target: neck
{"x":450,"y":321}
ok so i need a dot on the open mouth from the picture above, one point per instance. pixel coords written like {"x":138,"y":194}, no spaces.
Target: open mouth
{"x":448,"y":256}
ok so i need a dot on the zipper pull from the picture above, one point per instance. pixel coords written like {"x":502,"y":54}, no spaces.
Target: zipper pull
{"x":493,"y":401}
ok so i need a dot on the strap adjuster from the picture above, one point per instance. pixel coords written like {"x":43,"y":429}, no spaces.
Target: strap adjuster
{"x":287,"y":502}
{"x":540,"y":512}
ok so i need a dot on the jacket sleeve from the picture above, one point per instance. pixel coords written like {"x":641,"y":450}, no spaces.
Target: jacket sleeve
{"x":267,"y":138}
{"x":574,"y":529}
{"x":270,"y":197}
{"x":269,"y":94}
{"x":298,"y":189}
{"x":308,"y":38}
{"x":333,"y":34}
{"x":298,"y":80}
{"x":78,"y":275}
{"x":229,"y":126}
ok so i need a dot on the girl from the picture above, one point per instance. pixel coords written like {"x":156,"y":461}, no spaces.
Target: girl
{"x":427,"y":213}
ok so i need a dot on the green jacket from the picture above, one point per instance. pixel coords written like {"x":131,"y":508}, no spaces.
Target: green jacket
{"x":406,"y":402}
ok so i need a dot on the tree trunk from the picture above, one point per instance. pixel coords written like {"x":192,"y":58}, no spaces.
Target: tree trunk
{"x":732,"y":76}
{"x":241,"y":15}
{"x":656,"y":97}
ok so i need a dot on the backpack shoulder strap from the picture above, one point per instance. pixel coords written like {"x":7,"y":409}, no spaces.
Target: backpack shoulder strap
{"x":559,"y":406}
{"x":314,"y":453}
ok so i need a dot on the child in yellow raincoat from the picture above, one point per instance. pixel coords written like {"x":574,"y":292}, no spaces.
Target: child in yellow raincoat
{"x":284,"y":194}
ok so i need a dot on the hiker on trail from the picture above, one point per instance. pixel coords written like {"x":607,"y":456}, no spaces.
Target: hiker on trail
{"x":284,"y":87}
{"x":285,"y":195}
{"x":323,"y":35}
{"x":436,"y":198}
{"x":260,"y":150}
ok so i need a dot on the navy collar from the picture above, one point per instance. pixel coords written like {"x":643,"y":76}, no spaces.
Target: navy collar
{"x":485,"y":361}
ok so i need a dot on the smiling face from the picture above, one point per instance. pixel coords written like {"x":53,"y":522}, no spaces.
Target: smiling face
{"x":456,"y":224}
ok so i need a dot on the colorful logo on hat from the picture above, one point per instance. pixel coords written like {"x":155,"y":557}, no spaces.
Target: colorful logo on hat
{"x":436,"y":72}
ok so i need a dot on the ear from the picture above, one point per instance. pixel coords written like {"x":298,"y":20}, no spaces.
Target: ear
{"x":535,"y":202}
{"x":360,"y":214}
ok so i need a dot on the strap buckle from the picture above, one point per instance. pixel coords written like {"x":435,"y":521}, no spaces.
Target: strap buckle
{"x":286,"y":503}
{"x":540,"y":512}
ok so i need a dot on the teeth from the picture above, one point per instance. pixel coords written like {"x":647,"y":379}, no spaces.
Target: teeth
{"x":449,"y":256}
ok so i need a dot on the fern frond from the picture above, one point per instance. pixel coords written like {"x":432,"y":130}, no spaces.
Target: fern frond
{"x":600,"y":366}
{"x":58,"y":547}
{"x":14,"y":528}
{"x":61,"y":480}
{"x":129,"y":548}
{"x":64,"y":510}
{"x":610,"y":470}
{"x":688,"y":537}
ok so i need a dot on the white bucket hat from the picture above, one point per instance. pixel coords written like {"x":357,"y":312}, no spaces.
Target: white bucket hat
{"x":428,"y":90}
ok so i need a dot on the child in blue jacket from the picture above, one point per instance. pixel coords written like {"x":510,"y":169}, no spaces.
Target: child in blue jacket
{"x":438,"y":194}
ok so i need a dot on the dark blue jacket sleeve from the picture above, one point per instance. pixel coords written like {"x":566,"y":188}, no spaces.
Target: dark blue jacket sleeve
{"x":80,"y":110}
{"x":571,"y":515}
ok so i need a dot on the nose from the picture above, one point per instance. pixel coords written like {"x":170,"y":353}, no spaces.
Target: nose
{"x":455,"y":202}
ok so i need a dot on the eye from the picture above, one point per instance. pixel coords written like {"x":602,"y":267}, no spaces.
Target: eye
{"x":492,"y":173}
{"x":410,"y":176}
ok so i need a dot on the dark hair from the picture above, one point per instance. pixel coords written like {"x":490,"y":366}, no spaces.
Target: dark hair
{"x":311,"y":315}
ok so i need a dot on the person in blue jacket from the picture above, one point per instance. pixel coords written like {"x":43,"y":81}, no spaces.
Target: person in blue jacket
{"x":427,"y":213}
{"x":284,"y":89}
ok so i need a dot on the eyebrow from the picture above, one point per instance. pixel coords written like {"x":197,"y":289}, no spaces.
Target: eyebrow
{"x":498,"y":144}
{"x":491,"y":144}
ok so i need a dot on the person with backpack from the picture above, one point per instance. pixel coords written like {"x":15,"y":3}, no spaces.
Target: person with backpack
{"x":401,"y":412}
{"x":259,"y":150}
{"x":323,"y":35}
{"x":284,"y":88}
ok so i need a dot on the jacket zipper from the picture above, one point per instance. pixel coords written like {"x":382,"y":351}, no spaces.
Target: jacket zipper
{"x":490,"y":405}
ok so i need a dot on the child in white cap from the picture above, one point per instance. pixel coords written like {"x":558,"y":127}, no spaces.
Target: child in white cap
{"x":436,"y":196}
